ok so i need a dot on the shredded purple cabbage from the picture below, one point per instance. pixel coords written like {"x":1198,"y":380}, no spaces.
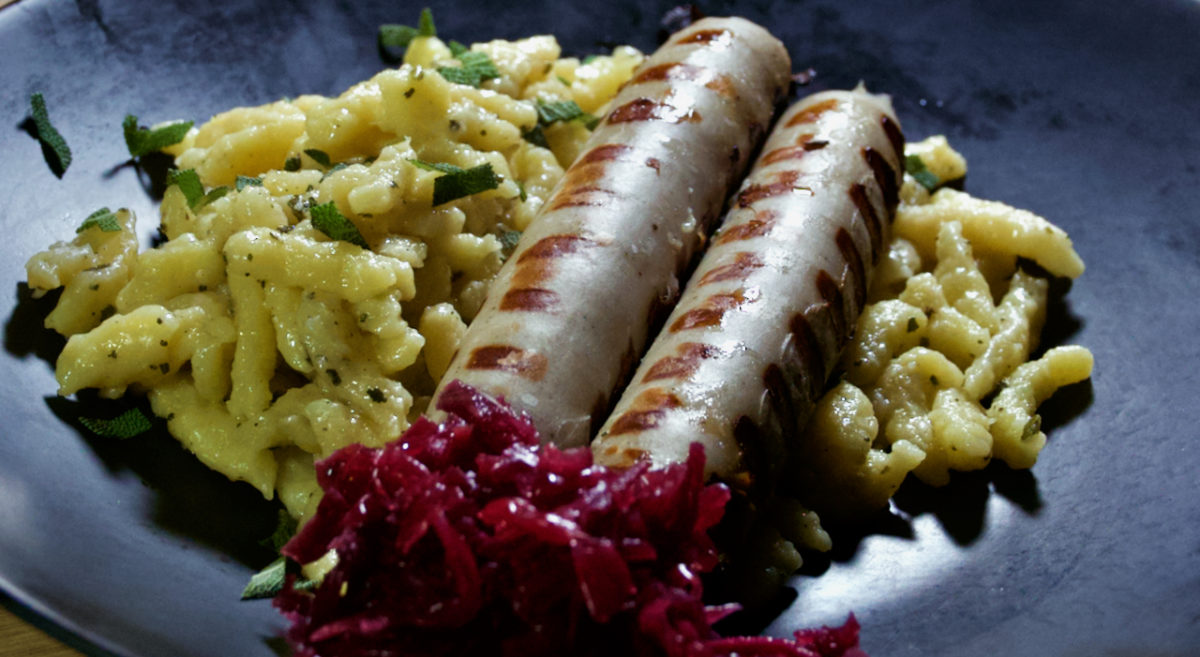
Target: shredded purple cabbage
{"x":470,"y":538}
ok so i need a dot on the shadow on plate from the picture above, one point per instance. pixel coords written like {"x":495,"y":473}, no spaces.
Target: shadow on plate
{"x":153,"y":171}
{"x":189,"y":500}
{"x":24,"y":333}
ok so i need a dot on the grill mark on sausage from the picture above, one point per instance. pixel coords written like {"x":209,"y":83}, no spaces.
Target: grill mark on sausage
{"x":706,"y":36}
{"x":646,"y":109}
{"x":813,"y":112}
{"x":554,"y":246}
{"x":584,"y":175}
{"x":807,"y":352}
{"x":805,"y":143}
{"x":672,"y":71}
{"x":761,"y":224}
{"x":722,"y":85}
{"x":533,"y":299}
{"x":646,"y":411}
{"x":669,"y":71}
{"x":604,"y":153}
{"x":894,"y":135}
{"x":590,"y":171}
{"x":785,"y":183}
{"x":779,"y":396}
{"x":532,"y":273}
{"x":712,"y":310}
{"x":743,"y":263}
{"x":885,"y":175}
{"x":536,"y":264}
{"x":786,"y":153}
{"x":629,"y":455}
{"x":836,"y":305}
{"x":854,"y":262}
{"x":810,"y":144}
{"x":683,"y":365}
{"x":508,"y":358}
{"x":858,"y":194}
{"x":586,"y":195}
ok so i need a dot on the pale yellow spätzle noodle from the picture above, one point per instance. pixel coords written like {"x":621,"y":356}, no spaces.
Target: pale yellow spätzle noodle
{"x":951,"y":322}
{"x":266,"y":344}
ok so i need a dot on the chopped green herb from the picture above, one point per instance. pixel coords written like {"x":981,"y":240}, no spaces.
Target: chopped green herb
{"x":509,"y":239}
{"x":915,"y":167}
{"x":457,"y":48}
{"x":550,"y":112}
{"x":292,"y":163}
{"x":143,"y":141}
{"x":471,"y":181}
{"x":559,"y":110}
{"x":536,"y":136}
{"x":48,"y":135}
{"x":589,"y":59}
{"x":565,"y":82}
{"x":246,"y":181}
{"x":1032,"y":427}
{"x":459,"y":182}
{"x":214,"y":194}
{"x":329,"y":220}
{"x":399,"y":36}
{"x":104,"y":219}
{"x":188,"y":182}
{"x":476,"y":67}
{"x":521,"y":189}
{"x":318,"y":156}
{"x":335,"y":168}
{"x":131,"y":423}
{"x":436,"y":166}
{"x":267,"y":582}
{"x":285,"y":529}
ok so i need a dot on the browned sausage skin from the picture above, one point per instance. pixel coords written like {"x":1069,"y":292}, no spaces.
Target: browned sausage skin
{"x":745,"y":354}
{"x":568,"y":314}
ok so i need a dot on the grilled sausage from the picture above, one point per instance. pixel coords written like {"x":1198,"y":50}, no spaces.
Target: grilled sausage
{"x":744,"y":356}
{"x":568,"y":315}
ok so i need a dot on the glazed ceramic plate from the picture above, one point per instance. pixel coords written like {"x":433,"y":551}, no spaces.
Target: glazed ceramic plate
{"x":1086,"y":112}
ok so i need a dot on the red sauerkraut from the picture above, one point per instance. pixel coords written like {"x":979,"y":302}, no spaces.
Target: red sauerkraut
{"x":468,"y":537}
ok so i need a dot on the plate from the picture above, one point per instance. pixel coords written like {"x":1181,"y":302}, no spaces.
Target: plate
{"x":1086,"y":112}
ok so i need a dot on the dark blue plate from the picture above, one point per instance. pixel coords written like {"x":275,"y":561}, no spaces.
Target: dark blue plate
{"x":1085,"y":111}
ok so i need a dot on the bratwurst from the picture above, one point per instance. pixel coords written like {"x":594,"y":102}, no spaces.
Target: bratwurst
{"x":746,"y":352}
{"x":570,"y":311}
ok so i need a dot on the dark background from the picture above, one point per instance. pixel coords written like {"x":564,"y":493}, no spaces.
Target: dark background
{"x":1086,"y":112}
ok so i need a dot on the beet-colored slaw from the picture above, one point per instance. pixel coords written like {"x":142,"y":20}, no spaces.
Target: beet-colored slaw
{"x":468,"y":537}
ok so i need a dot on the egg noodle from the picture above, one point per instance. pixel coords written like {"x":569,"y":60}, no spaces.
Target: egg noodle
{"x":937,"y":376}
{"x":267,"y":344}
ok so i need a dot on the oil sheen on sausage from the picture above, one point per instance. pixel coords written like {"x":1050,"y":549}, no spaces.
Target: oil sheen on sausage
{"x":745,"y":354}
{"x":568,"y":315}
